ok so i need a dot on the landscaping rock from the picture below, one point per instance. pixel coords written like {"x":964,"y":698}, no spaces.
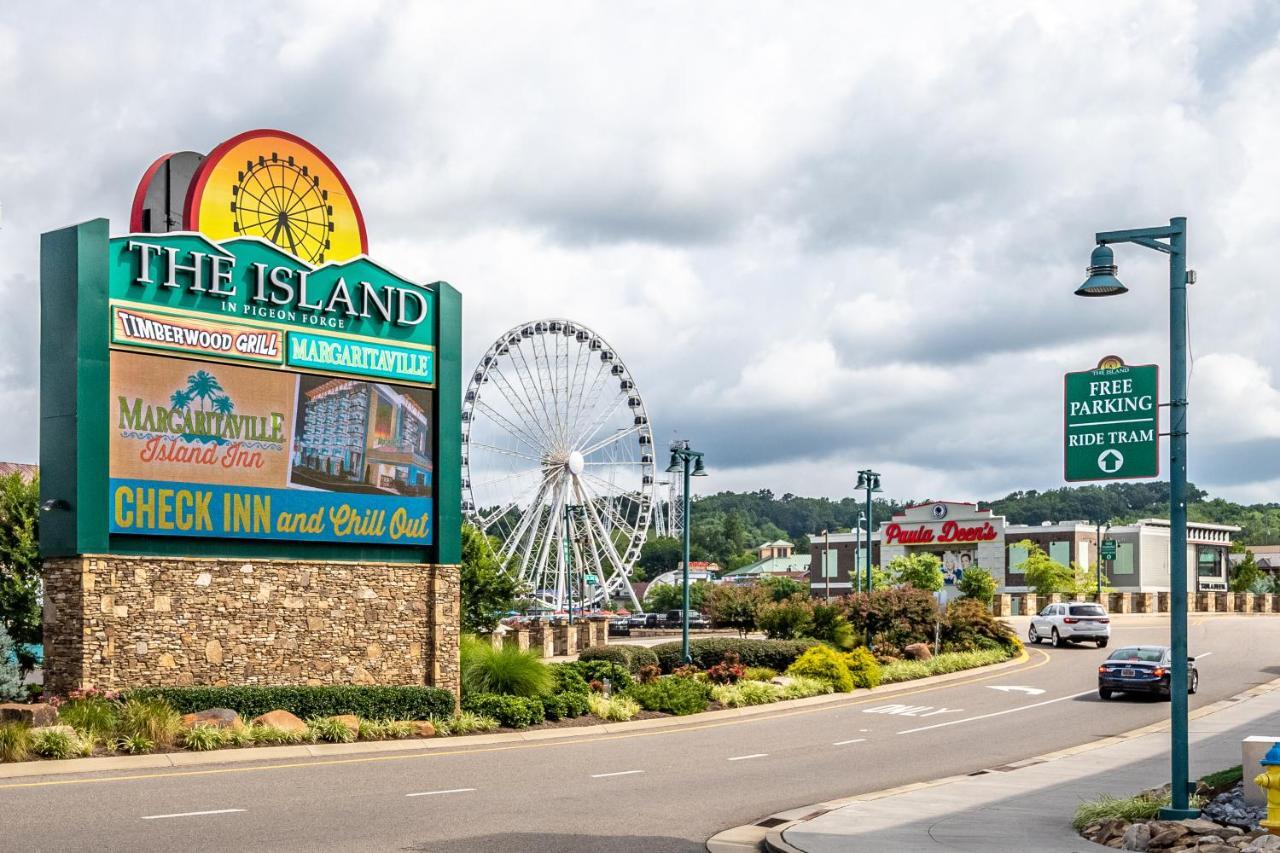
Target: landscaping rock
{"x":1263,"y":844}
{"x":424,"y":728}
{"x":41,"y":714}
{"x":351,"y":721}
{"x":1112,"y":829}
{"x":221,"y":718}
{"x":1200,"y":826}
{"x":1137,"y":837}
{"x":1230,"y":809}
{"x":918,"y":651}
{"x":282,"y":720}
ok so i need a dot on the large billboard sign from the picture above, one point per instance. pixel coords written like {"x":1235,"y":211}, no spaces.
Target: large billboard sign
{"x":1111,"y":422}
{"x":259,"y":380}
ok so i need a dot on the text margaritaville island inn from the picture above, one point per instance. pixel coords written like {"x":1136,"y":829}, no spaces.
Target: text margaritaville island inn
{"x":250,"y":460}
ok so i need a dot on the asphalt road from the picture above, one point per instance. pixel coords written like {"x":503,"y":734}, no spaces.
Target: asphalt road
{"x":652,"y":790}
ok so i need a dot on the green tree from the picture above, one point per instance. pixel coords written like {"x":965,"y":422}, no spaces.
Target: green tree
{"x":1044,"y":574}
{"x":786,"y":620}
{"x":661,"y":597}
{"x":10,"y":678}
{"x":1084,"y":581}
{"x":1245,"y":573}
{"x":781,"y":587}
{"x":487,"y":591}
{"x":922,"y":571}
{"x":20,"y":612}
{"x":660,"y":554}
{"x":977,"y":583}
{"x":735,"y":605}
{"x":830,"y":626}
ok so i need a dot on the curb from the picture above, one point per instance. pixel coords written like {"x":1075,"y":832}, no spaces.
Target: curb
{"x":326,"y":750}
{"x":769,"y":831}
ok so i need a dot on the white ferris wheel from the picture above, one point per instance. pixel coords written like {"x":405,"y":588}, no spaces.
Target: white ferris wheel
{"x":558,"y":462}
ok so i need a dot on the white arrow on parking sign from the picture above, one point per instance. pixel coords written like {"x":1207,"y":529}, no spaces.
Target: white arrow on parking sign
{"x":1110,"y":460}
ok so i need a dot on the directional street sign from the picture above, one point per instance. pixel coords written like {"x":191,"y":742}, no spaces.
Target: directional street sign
{"x":1108,"y":549}
{"x":592,"y":579}
{"x":1112,"y":422}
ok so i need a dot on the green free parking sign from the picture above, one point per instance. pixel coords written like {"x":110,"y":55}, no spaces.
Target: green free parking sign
{"x":1112,"y":422}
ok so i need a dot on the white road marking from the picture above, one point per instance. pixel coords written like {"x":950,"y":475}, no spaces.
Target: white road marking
{"x":189,"y":814}
{"x":910,"y":710}
{"x":447,"y":791}
{"x":1203,"y":655}
{"x":752,"y":755}
{"x":619,"y":773}
{"x":1030,"y":691}
{"x":996,"y":713}
{"x":843,"y":742}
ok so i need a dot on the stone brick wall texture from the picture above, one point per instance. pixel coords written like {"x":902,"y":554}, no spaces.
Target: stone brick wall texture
{"x":116,"y":622}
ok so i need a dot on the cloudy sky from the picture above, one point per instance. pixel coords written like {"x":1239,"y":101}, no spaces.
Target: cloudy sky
{"x":821,"y":238}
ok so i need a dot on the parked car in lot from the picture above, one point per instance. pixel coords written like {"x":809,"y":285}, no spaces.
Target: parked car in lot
{"x":1142,"y":669}
{"x":675,"y":618}
{"x":636,"y":620}
{"x":620,"y":626}
{"x":1072,"y":622}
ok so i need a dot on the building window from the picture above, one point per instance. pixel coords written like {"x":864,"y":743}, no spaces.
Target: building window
{"x":1123,"y":563}
{"x":1060,"y":552}
{"x":1017,"y":556}
{"x":830,"y":563}
{"x":1207,"y":562}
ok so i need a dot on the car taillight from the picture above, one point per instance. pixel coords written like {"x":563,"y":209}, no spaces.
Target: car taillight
{"x":1158,"y":672}
{"x":1102,"y":670}
{"x":1071,"y":620}
{"x":1104,"y":619}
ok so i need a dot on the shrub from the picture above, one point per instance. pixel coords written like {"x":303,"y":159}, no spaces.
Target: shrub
{"x":863,"y":667}
{"x":237,"y":736}
{"x":759,"y":673}
{"x":673,"y":694}
{"x":907,"y":670}
{"x":649,"y":673}
{"x":785,"y":620}
{"x":831,"y":627}
{"x":619,"y":709}
{"x":11,"y":688}
{"x":567,"y":679}
{"x":825,"y":664}
{"x":15,"y":742}
{"x":708,"y":651}
{"x":894,"y":618}
{"x":514,"y":712}
{"x":465,"y":723}
{"x":735,"y":606}
{"x":203,"y":738}
{"x":746,"y":693}
{"x":598,"y":670}
{"x":727,"y":671}
{"x":136,"y":744}
{"x":508,"y":670}
{"x":560,"y":706}
{"x":1145,"y":806}
{"x":93,"y":716}
{"x":970,"y":627}
{"x":150,"y":719}
{"x":330,"y":730}
{"x":801,"y":687}
{"x":632,"y":658}
{"x":977,"y":583}
{"x":375,"y":702}
{"x":52,"y":743}
{"x":921,"y":571}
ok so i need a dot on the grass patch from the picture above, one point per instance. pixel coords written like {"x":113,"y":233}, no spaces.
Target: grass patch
{"x":51,"y":743}
{"x":746,"y":693}
{"x":1223,"y":779}
{"x":93,"y":716}
{"x":507,"y":671}
{"x":203,"y":738}
{"x":330,"y":730}
{"x":150,"y":719}
{"x":15,"y":742}
{"x":136,"y":744}
{"x":907,"y":670}
{"x":274,"y":736}
{"x":1145,"y":806}
{"x":619,"y":709}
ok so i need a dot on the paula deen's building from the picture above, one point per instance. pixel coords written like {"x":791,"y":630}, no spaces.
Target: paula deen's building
{"x":961,"y":535}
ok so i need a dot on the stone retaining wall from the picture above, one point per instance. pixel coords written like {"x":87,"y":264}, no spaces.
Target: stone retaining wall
{"x":116,"y":622}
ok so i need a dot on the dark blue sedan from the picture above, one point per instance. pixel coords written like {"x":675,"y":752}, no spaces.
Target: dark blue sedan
{"x":1142,"y":669}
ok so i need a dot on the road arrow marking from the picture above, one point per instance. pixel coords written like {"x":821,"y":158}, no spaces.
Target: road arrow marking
{"x":1110,"y":460}
{"x":1030,"y":691}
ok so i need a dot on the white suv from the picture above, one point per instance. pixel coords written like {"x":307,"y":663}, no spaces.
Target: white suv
{"x":1074,"y":622}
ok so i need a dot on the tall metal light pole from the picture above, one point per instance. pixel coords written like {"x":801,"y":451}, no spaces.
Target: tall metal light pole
{"x":681,"y":458}
{"x":869,"y":480}
{"x":1172,"y":240}
{"x":857,"y":546}
{"x":1102,"y":530}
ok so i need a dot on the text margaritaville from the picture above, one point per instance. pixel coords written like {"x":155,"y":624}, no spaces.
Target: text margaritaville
{"x":142,"y":417}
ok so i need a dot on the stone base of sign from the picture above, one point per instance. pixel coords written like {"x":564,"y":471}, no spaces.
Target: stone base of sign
{"x":1144,"y":602}
{"x":117,"y":622}
{"x":1220,"y":602}
{"x":1030,"y":605}
{"x":1205,"y":602}
{"x":1162,"y":602}
{"x":1120,"y":602}
{"x":1002,"y":604}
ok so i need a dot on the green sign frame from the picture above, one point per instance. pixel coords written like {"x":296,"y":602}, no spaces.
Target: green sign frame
{"x":1111,"y":422}
{"x":1107,"y":549}
{"x":79,"y":274}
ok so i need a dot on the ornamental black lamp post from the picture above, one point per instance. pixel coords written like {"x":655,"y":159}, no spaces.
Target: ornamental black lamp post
{"x":869,"y":480}
{"x":1170,"y":239}
{"x":681,"y":458}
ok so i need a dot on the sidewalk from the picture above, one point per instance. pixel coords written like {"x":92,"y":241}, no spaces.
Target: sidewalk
{"x":1022,"y":807}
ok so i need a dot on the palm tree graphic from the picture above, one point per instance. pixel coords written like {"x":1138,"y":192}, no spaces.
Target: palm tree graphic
{"x":204,"y":385}
{"x":223,"y":405}
{"x":180,"y":399}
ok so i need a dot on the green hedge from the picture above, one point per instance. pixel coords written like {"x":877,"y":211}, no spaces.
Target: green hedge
{"x":559,"y":706}
{"x":673,"y":694}
{"x":632,"y":657}
{"x":514,"y":712}
{"x":367,"y":702}
{"x":598,"y":670}
{"x":709,"y":651}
